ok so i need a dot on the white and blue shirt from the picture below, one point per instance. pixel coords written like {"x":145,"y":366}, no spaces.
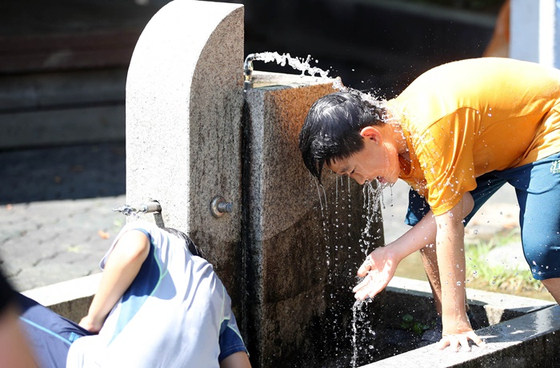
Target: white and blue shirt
{"x":176,"y":313}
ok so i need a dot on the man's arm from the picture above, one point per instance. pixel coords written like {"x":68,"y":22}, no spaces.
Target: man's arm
{"x":236,"y":360}
{"x":121,"y":268}
{"x":381,"y":264}
{"x":451,"y":260}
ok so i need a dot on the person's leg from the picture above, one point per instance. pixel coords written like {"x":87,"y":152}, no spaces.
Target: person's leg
{"x":538,"y":191}
{"x":49,"y":333}
{"x":487,"y":185}
{"x":553,"y":287}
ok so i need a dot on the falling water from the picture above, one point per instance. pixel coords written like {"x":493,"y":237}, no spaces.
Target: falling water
{"x":372,"y":201}
{"x":355,"y":318}
{"x":335,"y":230}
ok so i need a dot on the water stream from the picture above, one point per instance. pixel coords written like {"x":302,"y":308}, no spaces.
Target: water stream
{"x":297,"y":63}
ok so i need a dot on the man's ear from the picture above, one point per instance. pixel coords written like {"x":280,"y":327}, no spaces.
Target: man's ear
{"x":372,"y":133}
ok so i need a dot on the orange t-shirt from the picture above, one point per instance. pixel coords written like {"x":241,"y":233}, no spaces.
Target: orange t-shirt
{"x":470,"y":117}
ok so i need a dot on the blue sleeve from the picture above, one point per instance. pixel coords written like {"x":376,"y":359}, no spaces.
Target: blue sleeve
{"x":230,"y":342}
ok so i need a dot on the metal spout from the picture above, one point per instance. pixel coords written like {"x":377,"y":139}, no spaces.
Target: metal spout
{"x":248,"y":72}
{"x":128,"y":210}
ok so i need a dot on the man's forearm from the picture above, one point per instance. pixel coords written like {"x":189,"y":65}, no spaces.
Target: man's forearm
{"x":419,"y":236}
{"x":451,"y":261}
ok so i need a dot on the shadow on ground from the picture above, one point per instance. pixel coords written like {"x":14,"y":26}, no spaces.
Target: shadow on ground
{"x":57,"y":173}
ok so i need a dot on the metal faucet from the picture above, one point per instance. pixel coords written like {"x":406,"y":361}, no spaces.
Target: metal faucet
{"x":128,"y":210}
{"x":248,"y":72}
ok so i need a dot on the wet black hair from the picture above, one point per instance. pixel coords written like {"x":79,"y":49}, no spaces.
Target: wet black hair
{"x":193,"y":248}
{"x":331,"y":130}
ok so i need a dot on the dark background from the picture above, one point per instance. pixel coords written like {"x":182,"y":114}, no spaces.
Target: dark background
{"x":375,"y":44}
{"x":85,"y":47}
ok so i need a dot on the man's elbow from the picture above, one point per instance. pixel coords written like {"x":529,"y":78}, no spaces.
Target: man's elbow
{"x":467,"y":204}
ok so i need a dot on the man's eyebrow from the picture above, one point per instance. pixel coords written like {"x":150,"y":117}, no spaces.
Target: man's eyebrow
{"x":343,"y":170}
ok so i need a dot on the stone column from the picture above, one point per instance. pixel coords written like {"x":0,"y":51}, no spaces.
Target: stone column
{"x":302,"y":241}
{"x":183,"y":116}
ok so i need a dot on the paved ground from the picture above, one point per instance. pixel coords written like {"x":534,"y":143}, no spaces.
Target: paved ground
{"x":56,"y":218}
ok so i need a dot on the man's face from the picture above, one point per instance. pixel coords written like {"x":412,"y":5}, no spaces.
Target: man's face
{"x":377,"y":160}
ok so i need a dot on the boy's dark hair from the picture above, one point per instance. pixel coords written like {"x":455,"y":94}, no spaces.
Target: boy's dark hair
{"x":195,"y":250}
{"x":332,"y":128}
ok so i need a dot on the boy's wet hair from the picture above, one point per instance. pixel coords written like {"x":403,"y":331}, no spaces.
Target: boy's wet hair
{"x":193,"y":248}
{"x":332,"y":128}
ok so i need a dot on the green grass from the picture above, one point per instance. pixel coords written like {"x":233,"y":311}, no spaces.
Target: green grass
{"x":504,"y":278}
{"x":480,"y":274}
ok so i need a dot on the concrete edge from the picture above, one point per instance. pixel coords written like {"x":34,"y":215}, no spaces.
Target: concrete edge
{"x":475,"y":296}
{"x":488,"y":308}
{"x":70,"y":299}
{"x":85,"y":287}
{"x":524,"y":331}
{"x":66,"y":290}
{"x":540,"y":321}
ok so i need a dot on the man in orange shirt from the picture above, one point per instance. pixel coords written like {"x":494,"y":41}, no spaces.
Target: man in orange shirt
{"x":456,"y":135}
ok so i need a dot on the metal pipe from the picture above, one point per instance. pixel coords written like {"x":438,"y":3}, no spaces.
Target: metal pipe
{"x":248,"y":72}
{"x":149,"y":207}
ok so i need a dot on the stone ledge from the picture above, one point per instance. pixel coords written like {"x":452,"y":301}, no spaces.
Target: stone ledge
{"x":488,"y":307}
{"x":524,"y":341}
{"x":522,"y":330}
{"x":70,"y":299}
{"x":527,"y":338}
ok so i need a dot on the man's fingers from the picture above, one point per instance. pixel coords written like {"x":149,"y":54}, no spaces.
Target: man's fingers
{"x":362,"y":284}
{"x":365,"y":267}
{"x":454,"y":343}
{"x":460,"y":341}
{"x":477,"y":340}
{"x":443,"y":343}
{"x":449,"y":340}
{"x":369,"y":287}
{"x":464,"y":342}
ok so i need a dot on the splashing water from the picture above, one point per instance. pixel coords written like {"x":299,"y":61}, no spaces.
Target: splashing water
{"x":297,"y":63}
